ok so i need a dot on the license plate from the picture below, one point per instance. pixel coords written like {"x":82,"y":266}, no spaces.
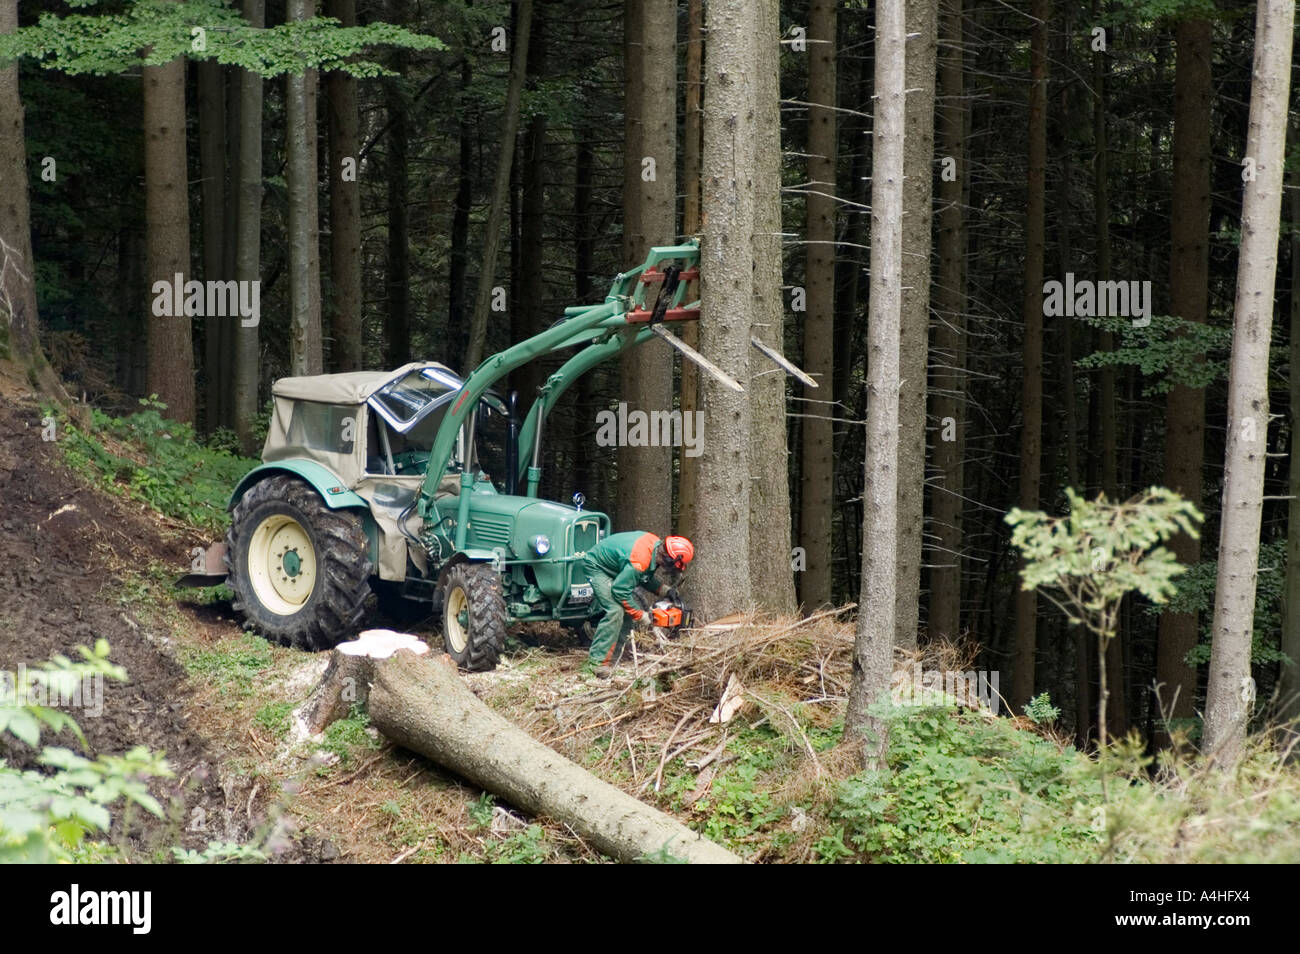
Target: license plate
{"x":581,"y":593}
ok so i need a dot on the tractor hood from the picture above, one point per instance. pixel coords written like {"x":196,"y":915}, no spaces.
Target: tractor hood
{"x":498,"y":520}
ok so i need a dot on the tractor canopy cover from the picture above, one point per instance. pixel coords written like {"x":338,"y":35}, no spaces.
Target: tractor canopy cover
{"x":319,"y":417}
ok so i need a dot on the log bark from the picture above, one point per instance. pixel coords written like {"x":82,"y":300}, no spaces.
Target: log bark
{"x":424,"y":706}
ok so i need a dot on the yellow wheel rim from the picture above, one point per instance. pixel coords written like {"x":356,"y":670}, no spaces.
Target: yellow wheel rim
{"x":456,"y":615}
{"x":281,"y":564}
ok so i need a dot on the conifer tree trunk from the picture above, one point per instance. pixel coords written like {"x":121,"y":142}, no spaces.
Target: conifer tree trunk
{"x":305,"y":346}
{"x":212,"y":169}
{"x":719,"y":580}
{"x":770,"y":566}
{"x":248,"y":248}
{"x":914,"y":354}
{"x":1031,"y":437}
{"x":530,"y":315}
{"x":458,"y":267}
{"x":1189,"y":274}
{"x":1289,"y":683}
{"x":345,"y":206}
{"x":500,"y":188}
{"x":817,"y":464}
{"x":947,"y":399}
{"x":170,"y":362}
{"x":692,"y":132}
{"x":397,"y":314}
{"x":650,"y":218}
{"x":1230,"y":695}
{"x":19,"y":325}
{"x":873,"y":651}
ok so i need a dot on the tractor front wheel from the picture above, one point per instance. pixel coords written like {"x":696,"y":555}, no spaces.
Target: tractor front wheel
{"x":299,"y":570}
{"x":473,"y":616}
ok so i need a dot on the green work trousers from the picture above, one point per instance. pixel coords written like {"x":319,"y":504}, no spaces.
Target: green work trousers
{"x":615,"y":624}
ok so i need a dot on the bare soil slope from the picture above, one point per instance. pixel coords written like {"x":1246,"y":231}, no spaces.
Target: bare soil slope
{"x":63,"y":548}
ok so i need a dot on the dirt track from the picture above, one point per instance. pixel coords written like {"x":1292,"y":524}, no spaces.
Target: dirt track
{"x":63,"y":550}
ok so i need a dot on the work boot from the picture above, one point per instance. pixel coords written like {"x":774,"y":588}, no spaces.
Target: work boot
{"x":603,"y":671}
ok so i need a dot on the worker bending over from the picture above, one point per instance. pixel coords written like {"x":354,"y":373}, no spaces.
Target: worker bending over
{"x":616,"y":567}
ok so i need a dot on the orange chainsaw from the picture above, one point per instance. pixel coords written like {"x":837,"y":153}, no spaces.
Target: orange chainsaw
{"x":670,"y":614}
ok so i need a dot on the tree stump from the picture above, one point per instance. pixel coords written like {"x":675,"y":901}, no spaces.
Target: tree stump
{"x":347,"y":678}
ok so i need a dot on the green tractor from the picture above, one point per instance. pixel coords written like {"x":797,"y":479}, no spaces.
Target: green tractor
{"x":373,"y":481}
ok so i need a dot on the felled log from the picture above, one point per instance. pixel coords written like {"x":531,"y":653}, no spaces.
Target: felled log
{"x":423,"y":705}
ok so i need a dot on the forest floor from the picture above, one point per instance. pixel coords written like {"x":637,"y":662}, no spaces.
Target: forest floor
{"x":735,"y":730}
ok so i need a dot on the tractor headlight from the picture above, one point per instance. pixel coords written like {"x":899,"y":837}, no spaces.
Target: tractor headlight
{"x":542,"y":544}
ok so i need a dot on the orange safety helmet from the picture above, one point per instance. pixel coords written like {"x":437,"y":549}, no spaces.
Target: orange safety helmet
{"x":679,"y":551}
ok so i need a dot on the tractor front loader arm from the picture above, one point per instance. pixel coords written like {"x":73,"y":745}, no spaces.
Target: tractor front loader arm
{"x":624,"y":306}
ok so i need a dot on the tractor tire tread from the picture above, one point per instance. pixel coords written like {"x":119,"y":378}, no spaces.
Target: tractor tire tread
{"x":487,"y":614}
{"x":343,"y":566}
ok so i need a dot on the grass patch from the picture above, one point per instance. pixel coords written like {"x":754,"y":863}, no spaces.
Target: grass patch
{"x":157,"y":461}
{"x":273,"y":718}
{"x":230,"y":666}
{"x":346,"y":737}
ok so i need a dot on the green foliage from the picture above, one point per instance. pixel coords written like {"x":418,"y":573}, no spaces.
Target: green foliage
{"x":346,"y":735}
{"x":274,"y":718}
{"x":219,"y":853}
{"x":1101,"y":551}
{"x":480,"y":811}
{"x":154,"y":32}
{"x":224,"y":439}
{"x":1196,"y":595}
{"x":1191,"y":811}
{"x":1147,"y":11}
{"x":960,"y":788}
{"x":527,"y":847}
{"x":156,"y":461}
{"x":229,"y":667}
{"x":45,"y":816}
{"x":737,"y":806}
{"x":661,"y":856}
{"x":1040,"y":710}
{"x":23,"y":695}
{"x":1168,"y":351}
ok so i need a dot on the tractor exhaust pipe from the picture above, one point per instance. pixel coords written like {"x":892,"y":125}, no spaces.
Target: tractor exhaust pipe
{"x":512,"y":444}
{"x":535,"y":470}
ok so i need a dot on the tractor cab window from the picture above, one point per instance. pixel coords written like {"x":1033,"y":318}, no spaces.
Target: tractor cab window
{"x":491,"y":433}
{"x":404,"y":402}
{"x":407,"y":414}
{"x":405,"y":418}
{"x":322,"y":427}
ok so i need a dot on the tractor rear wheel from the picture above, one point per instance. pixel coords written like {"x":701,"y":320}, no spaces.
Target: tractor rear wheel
{"x":299,"y":570}
{"x":473,"y":616}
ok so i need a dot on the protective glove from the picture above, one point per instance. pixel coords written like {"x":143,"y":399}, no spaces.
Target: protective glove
{"x":644,"y":621}
{"x":673,"y":595}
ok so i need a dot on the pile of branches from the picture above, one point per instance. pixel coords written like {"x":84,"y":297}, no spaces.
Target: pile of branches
{"x":684,"y":696}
